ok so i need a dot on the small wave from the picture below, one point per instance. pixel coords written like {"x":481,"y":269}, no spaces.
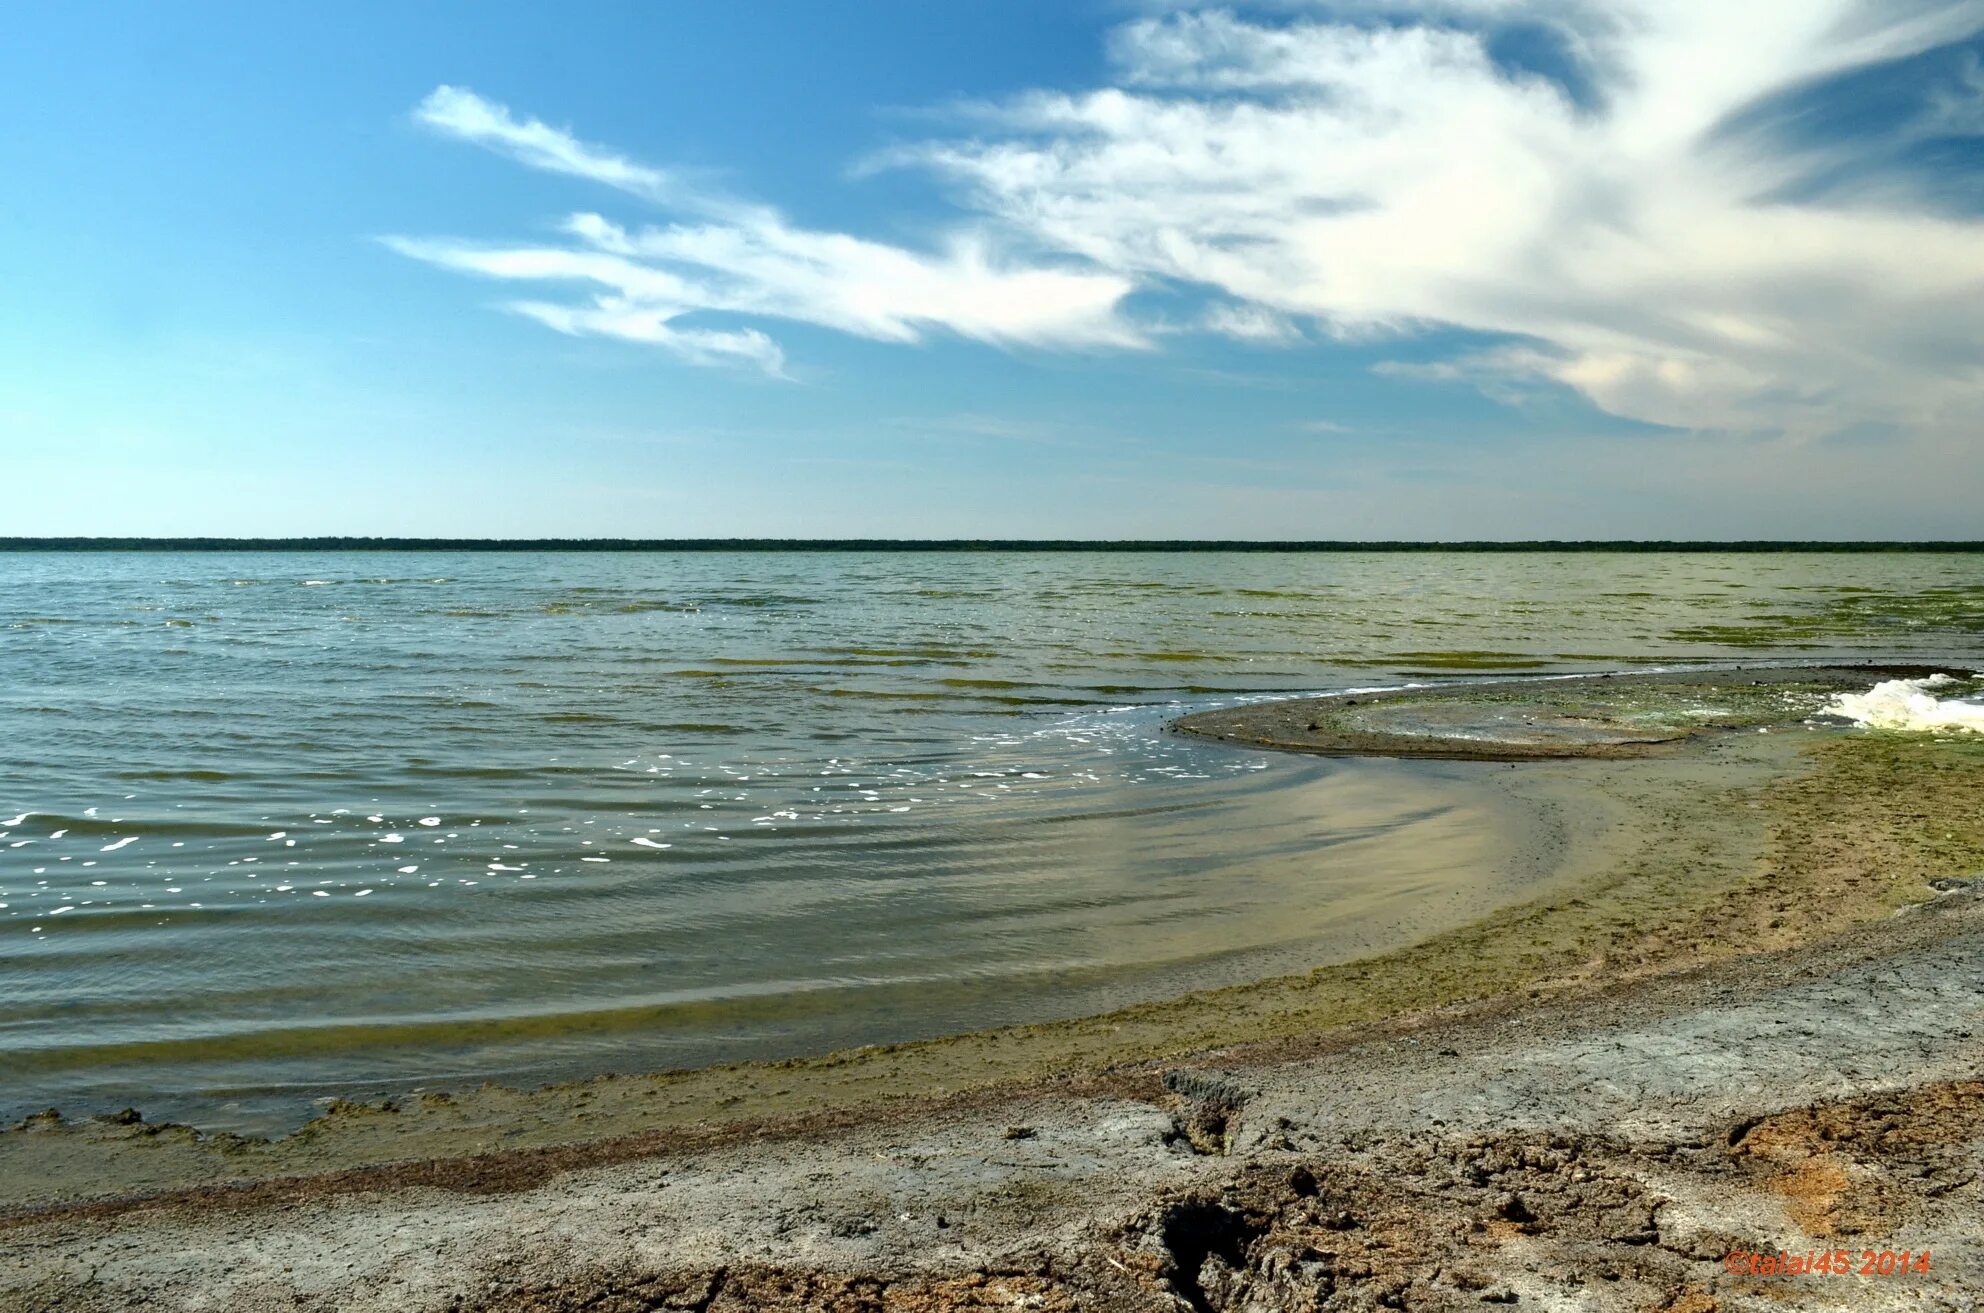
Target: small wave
{"x":763,"y":600}
{"x":1472,"y":660}
{"x":1907,"y":704}
{"x":1277,"y":592}
{"x":926,"y":653}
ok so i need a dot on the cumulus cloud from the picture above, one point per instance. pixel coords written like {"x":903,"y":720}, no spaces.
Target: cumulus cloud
{"x":1612,"y":217}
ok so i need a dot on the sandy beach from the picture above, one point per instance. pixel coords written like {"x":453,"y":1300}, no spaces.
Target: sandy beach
{"x":1741,"y":1018}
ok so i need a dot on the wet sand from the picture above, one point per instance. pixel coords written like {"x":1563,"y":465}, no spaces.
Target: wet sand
{"x":1692,"y":1038}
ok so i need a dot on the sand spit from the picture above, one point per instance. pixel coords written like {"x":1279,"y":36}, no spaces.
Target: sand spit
{"x":1751,"y":1020}
{"x":1530,"y":719}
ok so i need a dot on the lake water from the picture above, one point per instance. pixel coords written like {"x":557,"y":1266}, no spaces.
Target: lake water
{"x":280,"y":826}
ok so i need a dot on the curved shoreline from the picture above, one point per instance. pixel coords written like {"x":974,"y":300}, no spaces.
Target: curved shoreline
{"x":1741,"y":1017}
{"x":1661,"y":864}
{"x":1412,"y":849}
{"x":1600,"y":1135}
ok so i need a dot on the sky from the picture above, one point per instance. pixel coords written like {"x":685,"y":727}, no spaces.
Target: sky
{"x":1420,"y":269}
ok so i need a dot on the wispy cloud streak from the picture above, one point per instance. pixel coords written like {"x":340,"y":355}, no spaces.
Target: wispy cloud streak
{"x":1379,"y":176}
{"x":1362,"y":169}
{"x":748,"y":260}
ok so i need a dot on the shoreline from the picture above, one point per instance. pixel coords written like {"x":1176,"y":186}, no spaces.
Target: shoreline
{"x":1551,"y":827}
{"x":1595,"y":818}
{"x":1478,"y":842}
{"x":1644,"y":859}
{"x":1675,"y":915}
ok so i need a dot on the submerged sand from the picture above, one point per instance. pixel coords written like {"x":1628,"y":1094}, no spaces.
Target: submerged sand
{"x":1743,"y":1013}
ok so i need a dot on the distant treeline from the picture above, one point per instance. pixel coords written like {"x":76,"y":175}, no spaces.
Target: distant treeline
{"x":931,"y":545}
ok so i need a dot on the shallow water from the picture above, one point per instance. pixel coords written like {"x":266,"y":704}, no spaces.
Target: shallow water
{"x":278,"y":826}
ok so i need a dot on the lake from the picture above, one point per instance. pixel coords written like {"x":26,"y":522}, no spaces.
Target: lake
{"x":282,"y":826}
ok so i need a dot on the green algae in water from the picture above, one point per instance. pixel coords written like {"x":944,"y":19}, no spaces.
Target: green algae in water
{"x":1851,"y":612}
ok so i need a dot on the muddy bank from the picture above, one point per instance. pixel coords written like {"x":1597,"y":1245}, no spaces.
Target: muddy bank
{"x":1590,"y":716}
{"x":1600,"y":1152}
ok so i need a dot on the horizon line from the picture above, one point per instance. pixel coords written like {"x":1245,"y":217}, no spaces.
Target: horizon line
{"x":353,"y":542}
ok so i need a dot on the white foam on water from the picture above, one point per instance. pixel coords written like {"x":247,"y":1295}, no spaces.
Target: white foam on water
{"x":113,"y":847}
{"x":1907,"y":704}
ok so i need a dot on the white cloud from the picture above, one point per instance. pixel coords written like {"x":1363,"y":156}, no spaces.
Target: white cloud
{"x":749,"y":260}
{"x":1379,"y":177}
{"x":461,"y":113}
{"x":1251,"y":323}
{"x":1366,"y":169}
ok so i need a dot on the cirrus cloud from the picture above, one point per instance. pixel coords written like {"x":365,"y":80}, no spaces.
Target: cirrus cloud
{"x":1380,"y":176}
{"x":1611,"y":219}
{"x":748,"y":260}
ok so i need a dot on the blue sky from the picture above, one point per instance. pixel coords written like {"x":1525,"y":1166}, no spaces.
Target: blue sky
{"x":1494,"y":268}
